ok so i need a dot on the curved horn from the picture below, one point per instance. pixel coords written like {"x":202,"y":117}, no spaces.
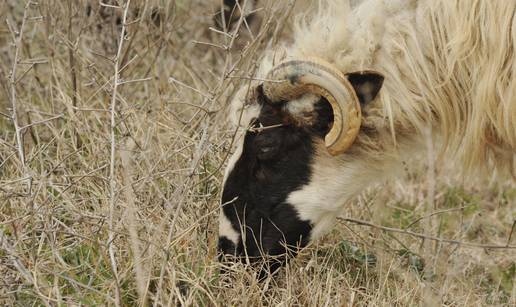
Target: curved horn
{"x":294,"y":78}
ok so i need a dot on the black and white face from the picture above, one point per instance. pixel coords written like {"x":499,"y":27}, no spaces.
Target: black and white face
{"x":274,"y":162}
{"x":282,"y":188}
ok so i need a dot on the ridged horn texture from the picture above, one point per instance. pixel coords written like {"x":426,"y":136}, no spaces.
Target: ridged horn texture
{"x":294,"y":78}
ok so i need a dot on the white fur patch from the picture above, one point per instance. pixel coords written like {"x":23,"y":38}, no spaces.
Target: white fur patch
{"x":225,"y":227}
{"x":241,"y":113}
{"x":226,"y":230}
{"x":336,"y":180}
{"x":241,"y":116}
{"x":234,"y":157}
{"x":331,"y":186}
{"x":303,"y":104}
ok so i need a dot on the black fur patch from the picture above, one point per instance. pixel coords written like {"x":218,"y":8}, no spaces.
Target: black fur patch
{"x":226,"y":245}
{"x":366,"y":84}
{"x":274,"y":163}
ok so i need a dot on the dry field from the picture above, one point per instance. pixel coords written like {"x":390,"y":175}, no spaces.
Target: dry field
{"x":113,"y":142}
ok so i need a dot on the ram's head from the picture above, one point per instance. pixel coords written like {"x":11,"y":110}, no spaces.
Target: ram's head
{"x":283,"y":179}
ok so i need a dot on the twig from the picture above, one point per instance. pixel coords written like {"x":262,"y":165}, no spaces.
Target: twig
{"x":105,"y":57}
{"x":73,"y":70}
{"x":5,"y":161}
{"x":20,"y":267}
{"x":510,"y":234}
{"x":4,"y":245}
{"x":12,"y":82}
{"x":434,"y":213}
{"x":78,"y":283}
{"x":24,"y":74}
{"x":6,"y":115}
{"x":427,"y":237}
{"x":89,"y":109}
{"x":112,"y":176}
{"x":431,"y":225}
{"x":211,"y":44}
{"x":113,"y":6}
{"x":257,"y":79}
{"x":220,"y":32}
{"x":42,"y":121}
{"x":138,"y":21}
{"x":193,"y":105}
{"x":134,"y":81}
{"x":172,"y":80}
{"x":139,"y":265}
{"x":15,"y":180}
{"x":262,"y":128}
{"x":33,"y":61}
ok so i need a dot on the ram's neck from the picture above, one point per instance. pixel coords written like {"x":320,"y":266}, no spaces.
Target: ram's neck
{"x":335,"y":181}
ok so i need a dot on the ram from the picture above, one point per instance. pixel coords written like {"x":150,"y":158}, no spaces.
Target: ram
{"x":354,"y":96}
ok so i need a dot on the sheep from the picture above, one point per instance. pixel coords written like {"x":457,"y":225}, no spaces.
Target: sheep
{"x":357,"y":93}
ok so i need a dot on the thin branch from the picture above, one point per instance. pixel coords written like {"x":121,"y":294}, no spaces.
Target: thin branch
{"x":510,"y":234}
{"x":434,"y":213}
{"x":257,"y":79}
{"x":24,"y":73}
{"x":4,"y":245}
{"x":33,"y":61}
{"x":134,"y":81}
{"x":220,"y":32}
{"x":193,"y":105}
{"x":6,"y":115}
{"x":105,"y":57}
{"x":89,"y":109}
{"x":427,"y":237}
{"x":211,"y":44}
{"x":8,"y":248}
{"x":140,"y":268}
{"x":262,"y":128}
{"x":172,"y":80}
{"x":73,"y":70}
{"x":112,"y":176}
{"x":12,"y":82}
{"x":431,"y":225}
{"x":42,"y":121}
{"x":113,"y":6}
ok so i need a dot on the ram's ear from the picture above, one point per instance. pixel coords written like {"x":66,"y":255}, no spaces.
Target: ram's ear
{"x":367,"y":84}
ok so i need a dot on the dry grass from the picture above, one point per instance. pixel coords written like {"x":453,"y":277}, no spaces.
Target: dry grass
{"x":113,"y":199}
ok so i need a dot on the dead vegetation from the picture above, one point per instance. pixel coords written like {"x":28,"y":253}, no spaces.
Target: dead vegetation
{"x":112,"y":146}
